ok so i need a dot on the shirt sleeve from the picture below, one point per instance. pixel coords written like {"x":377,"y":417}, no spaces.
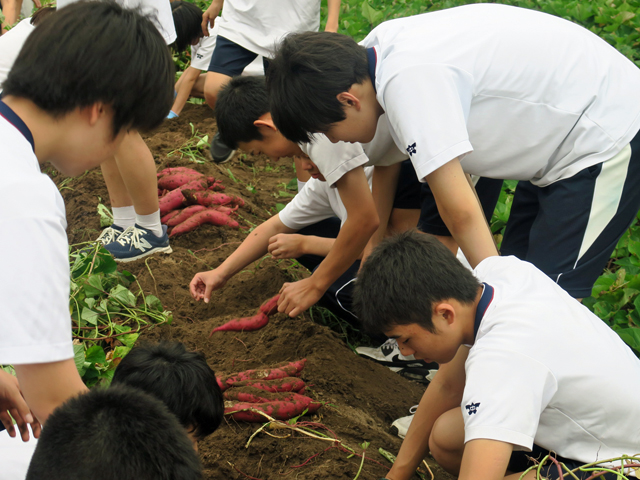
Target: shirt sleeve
{"x":34,"y":279}
{"x":202,"y":52}
{"x":504,"y":395}
{"x":428,"y":106}
{"x":311,"y":205}
{"x":334,"y":159}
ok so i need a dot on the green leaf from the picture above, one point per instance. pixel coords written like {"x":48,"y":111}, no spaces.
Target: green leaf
{"x":371,"y":14}
{"x":129,"y":340}
{"x":292,"y":185}
{"x":95,"y":354}
{"x":123,"y":295}
{"x":631,"y":337}
{"x":282,"y":193}
{"x":90,"y":316}
{"x":106,"y":217}
{"x":280,"y":207}
{"x":79,"y":358}
{"x":153,"y":302}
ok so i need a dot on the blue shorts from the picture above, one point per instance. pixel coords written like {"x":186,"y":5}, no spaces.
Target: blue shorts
{"x":408,"y":189}
{"x":570,"y":228}
{"x":230,"y":59}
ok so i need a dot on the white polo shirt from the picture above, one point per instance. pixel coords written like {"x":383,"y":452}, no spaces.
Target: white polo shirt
{"x":516,"y":93}
{"x":159,"y":10}
{"x":258,"y":25}
{"x":201,"y":54}
{"x":34,"y":254}
{"x":317,"y":201}
{"x":545,"y":369}
{"x":335,"y":159}
{"x":10,"y":45}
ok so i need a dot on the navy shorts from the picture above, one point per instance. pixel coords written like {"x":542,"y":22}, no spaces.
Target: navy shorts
{"x":230,"y":59}
{"x":408,"y":189}
{"x":488,"y":190}
{"x":570,"y":228}
{"x":521,"y":461}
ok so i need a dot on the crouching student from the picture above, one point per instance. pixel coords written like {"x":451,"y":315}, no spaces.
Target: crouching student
{"x":523,"y":365}
{"x":182,"y":380}
{"x":121,"y":432}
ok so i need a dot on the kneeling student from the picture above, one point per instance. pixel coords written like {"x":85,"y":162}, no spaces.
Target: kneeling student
{"x":523,"y":365}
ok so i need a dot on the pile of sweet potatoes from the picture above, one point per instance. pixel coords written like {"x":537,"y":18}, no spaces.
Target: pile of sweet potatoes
{"x":275,"y":391}
{"x":187,"y":200}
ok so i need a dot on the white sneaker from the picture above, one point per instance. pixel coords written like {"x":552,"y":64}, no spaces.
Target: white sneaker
{"x":388,"y":354}
{"x":400,"y":426}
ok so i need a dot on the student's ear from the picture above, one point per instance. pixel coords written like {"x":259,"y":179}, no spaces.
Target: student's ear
{"x":445,"y":311}
{"x":348,"y":99}
{"x":94,"y":112}
{"x":265,"y":121}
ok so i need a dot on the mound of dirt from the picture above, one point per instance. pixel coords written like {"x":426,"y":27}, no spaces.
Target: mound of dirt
{"x":362,"y":398}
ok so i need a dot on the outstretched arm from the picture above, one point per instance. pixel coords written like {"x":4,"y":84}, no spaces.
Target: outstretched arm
{"x":183,"y":88}
{"x":362,"y":221}
{"x":295,"y":245}
{"x":461,"y":212}
{"x":252,"y":248}
{"x":333,"y":15}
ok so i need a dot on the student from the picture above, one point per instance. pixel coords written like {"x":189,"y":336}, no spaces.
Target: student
{"x":251,"y":28}
{"x":73,"y":117}
{"x":119,"y":432}
{"x":491,"y":90}
{"x":181,"y":379}
{"x":523,"y":365}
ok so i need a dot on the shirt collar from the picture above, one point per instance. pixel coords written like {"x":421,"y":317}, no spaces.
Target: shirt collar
{"x":13,"y":118}
{"x":372,"y":57}
{"x":481,"y":309}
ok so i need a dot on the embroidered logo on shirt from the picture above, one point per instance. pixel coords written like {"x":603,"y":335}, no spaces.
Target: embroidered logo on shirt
{"x":199,"y":55}
{"x":411,"y":149}
{"x":472,"y":408}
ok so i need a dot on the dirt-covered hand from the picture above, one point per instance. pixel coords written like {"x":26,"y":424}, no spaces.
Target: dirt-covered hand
{"x":286,"y":245}
{"x":297,"y":297}
{"x":12,"y":402}
{"x":203,"y":283}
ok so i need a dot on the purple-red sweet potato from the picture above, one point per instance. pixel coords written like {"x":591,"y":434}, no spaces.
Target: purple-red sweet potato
{"x":246,"y":324}
{"x":169,"y":171}
{"x":279,"y":410}
{"x":256,"y":395}
{"x":207,"y":198}
{"x":177,"y":180}
{"x":290,"y":369}
{"x":183,"y":215}
{"x":170,"y":201}
{"x":270,"y":306}
{"x":284,"y":384}
{"x":171,"y":215}
{"x":206,"y":216}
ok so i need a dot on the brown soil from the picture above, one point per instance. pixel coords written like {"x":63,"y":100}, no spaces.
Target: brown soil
{"x":364,"y":397}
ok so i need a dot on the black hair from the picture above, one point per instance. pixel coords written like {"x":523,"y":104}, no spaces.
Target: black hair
{"x":119,"y":432}
{"x":404,"y":277}
{"x":187,"y":18}
{"x":304,"y":78}
{"x":242,"y":101}
{"x":181,"y":379}
{"x":96,"y":51}
{"x":41,"y":14}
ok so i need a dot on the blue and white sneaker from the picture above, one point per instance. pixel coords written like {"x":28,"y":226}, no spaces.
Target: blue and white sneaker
{"x":136,"y":243}
{"x":110,"y":234}
{"x":388,"y":354}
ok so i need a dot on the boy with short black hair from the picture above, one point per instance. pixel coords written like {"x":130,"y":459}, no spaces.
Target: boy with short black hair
{"x":73,"y":117}
{"x":490,"y":90}
{"x":119,"y":432}
{"x":181,"y":379}
{"x":521,"y":362}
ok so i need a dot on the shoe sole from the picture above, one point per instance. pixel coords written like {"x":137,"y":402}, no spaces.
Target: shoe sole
{"x":394,"y":431}
{"x":166,"y":250}
{"x":229,"y":157}
{"x":419,"y":375}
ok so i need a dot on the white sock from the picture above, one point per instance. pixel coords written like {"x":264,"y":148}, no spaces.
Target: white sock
{"x":150,"y":222}
{"x":124,"y":217}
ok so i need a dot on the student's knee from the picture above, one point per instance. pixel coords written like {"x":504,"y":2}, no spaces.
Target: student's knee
{"x":446,"y":442}
{"x":212,"y":85}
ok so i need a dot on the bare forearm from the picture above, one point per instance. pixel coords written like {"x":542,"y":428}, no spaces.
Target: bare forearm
{"x":320,"y":246}
{"x":46,"y":386}
{"x":253,"y":247}
{"x":384,"y":185}
{"x":184,"y":86}
{"x":333,"y":15}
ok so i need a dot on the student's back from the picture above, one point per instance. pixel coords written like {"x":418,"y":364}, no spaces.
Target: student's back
{"x":538,"y":353}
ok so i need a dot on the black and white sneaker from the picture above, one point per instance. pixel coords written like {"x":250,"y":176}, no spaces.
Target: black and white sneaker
{"x":400,"y":426}
{"x":219,"y":151}
{"x":388,"y":354}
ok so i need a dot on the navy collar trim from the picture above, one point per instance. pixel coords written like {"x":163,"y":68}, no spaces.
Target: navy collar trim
{"x":372,"y":57}
{"x":481,"y":309}
{"x":13,"y":118}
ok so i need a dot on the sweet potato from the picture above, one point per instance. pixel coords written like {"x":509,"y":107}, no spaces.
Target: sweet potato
{"x":282,"y":370}
{"x":168,"y":171}
{"x":270,"y":306}
{"x":170,"y":201}
{"x":225,"y":210}
{"x":279,"y":410}
{"x":207,"y":198}
{"x":216,"y":186}
{"x":285,"y":384}
{"x":255,"y":395}
{"x":171,"y":215}
{"x":206,"y":216}
{"x":183,"y":215}
{"x":176,"y":180}
{"x":246,"y":324}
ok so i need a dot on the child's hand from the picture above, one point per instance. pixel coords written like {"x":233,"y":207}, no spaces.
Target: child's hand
{"x":12,"y":402}
{"x":297,"y":297}
{"x":286,"y":246}
{"x":209,"y":16}
{"x":203,"y":283}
